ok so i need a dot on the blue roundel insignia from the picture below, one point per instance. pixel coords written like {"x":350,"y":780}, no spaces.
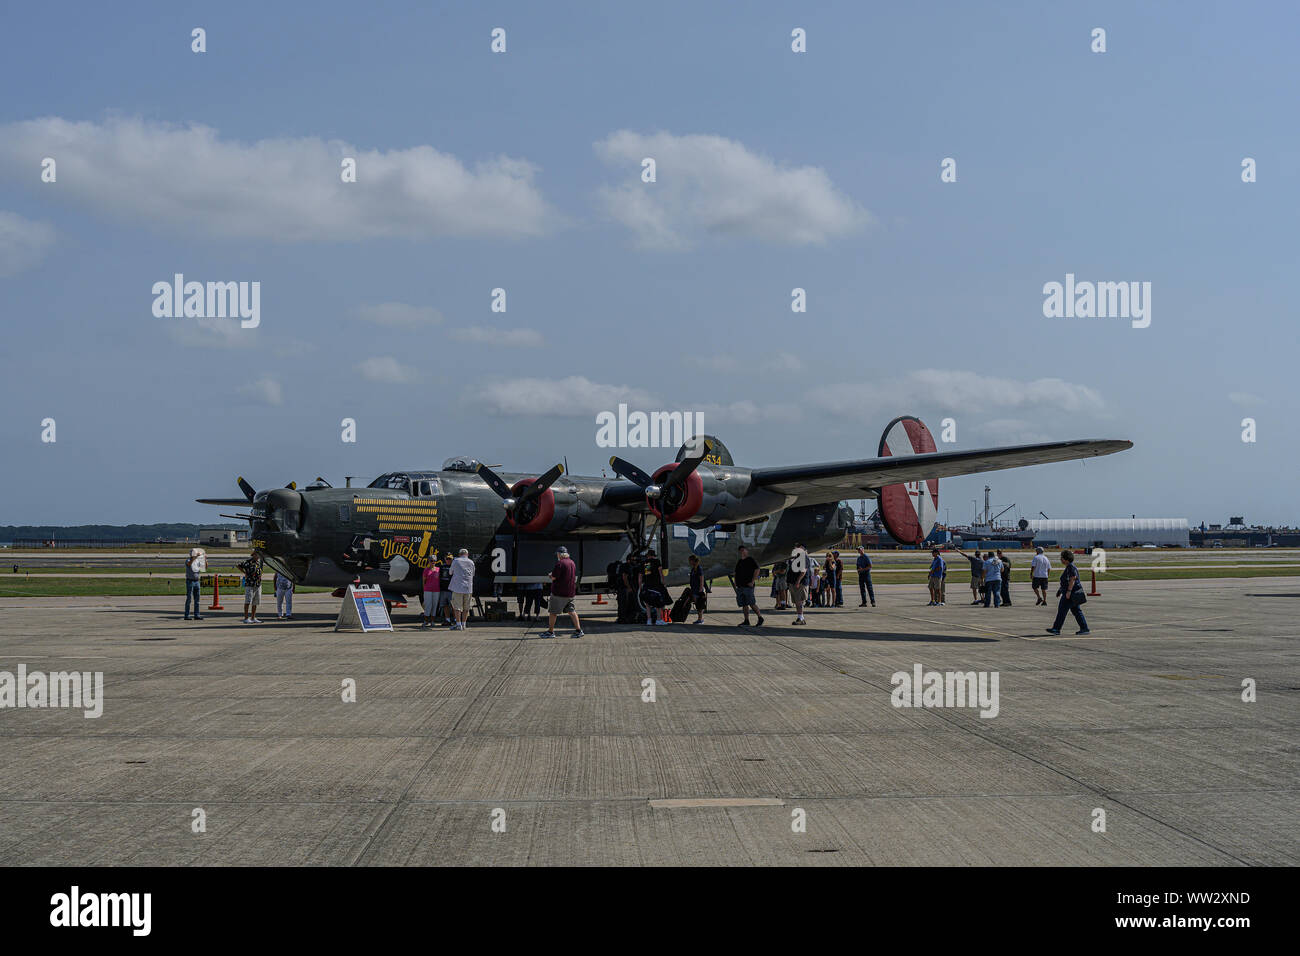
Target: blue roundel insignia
{"x":702,"y":541}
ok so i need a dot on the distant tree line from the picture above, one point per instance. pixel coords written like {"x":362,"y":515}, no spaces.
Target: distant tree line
{"x":118,"y":532}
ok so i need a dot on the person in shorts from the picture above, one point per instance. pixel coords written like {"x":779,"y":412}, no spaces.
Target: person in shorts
{"x":745,"y":575}
{"x":564,"y":588}
{"x":462,"y":587}
{"x":976,"y":575}
{"x":252,"y":570}
{"x":938,"y":571}
{"x":1040,"y":568}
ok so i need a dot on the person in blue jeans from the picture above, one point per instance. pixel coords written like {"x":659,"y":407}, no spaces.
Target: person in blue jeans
{"x":1069,"y":603}
{"x":194,"y":564}
{"x":864,"y":577}
{"x":839,"y":580}
{"x":992,"y":580}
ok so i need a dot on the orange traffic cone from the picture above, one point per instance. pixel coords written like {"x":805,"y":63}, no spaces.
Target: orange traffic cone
{"x":1094,"y":592}
{"x":216,"y":593}
{"x":600,"y":598}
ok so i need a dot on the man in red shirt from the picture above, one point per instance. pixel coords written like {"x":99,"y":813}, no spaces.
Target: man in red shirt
{"x":564,"y":586}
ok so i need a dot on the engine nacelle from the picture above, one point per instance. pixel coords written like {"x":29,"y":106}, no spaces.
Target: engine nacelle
{"x":714,"y":494}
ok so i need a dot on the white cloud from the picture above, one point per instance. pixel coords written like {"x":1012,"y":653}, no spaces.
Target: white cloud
{"x":573,"y":397}
{"x":188,"y":178}
{"x":399,"y":314}
{"x":502,"y":338}
{"x":745,"y":412}
{"x":209,"y":333}
{"x":1245,"y":399}
{"x":385,"y":368}
{"x":23,"y":243}
{"x":1010,"y":431}
{"x":709,"y":186}
{"x":958,"y":390}
{"x":265,"y":390}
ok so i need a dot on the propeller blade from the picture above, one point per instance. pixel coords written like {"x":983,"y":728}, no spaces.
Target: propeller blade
{"x":222,"y":501}
{"x":625,"y":469}
{"x":247,"y":489}
{"x":539,"y":486}
{"x":494,"y":481}
{"x":322,"y":481}
{"x":685,"y":467}
{"x":292,"y":486}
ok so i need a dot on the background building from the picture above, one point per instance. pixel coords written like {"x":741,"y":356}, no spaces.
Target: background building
{"x":1110,"y":532}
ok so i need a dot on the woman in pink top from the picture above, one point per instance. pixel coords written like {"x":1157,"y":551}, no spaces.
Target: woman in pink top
{"x":430,"y":579}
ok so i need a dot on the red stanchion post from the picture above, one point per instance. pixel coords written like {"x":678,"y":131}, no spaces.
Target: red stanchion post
{"x":600,"y":598}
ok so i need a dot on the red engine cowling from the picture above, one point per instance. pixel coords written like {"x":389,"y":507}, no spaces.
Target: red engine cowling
{"x":682,"y":502}
{"x":540,"y":513}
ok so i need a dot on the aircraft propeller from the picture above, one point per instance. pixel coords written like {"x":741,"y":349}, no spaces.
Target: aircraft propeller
{"x":661,"y":496}
{"x":522,"y":508}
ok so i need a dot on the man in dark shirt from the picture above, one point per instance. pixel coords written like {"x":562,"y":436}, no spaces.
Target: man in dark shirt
{"x":654,"y":595}
{"x":1006,"y":579}
{"x":839,"y":580}
{"x":864,"y":577}
{"x":564,"y":587}
{"x":745,"y":575}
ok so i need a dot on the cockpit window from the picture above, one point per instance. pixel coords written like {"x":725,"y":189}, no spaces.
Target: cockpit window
{"x":427,"y":488}
{"x":394,"y":480}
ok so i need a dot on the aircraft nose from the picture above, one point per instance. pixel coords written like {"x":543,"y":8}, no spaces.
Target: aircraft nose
{"x":284,"y":510}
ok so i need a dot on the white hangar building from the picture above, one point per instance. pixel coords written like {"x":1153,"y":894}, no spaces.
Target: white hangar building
{"x":1110,"y":532}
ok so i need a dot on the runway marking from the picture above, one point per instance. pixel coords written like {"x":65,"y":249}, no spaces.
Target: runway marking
{"x":691,"y":803}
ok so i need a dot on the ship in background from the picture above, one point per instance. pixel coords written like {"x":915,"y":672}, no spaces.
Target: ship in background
{"x":983,"y":531}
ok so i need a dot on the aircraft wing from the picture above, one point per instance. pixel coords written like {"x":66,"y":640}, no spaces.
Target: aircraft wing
{"x":837,"y":480}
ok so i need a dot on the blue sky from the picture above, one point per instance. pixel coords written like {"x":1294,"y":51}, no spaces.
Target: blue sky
{"x":775,"y":170}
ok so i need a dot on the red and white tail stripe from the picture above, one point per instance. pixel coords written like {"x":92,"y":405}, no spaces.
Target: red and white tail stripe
{"x":909,"y":510}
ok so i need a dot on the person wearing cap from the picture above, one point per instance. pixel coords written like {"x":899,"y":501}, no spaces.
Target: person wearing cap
{"x":462,"y":588}
{"x":938,"y":571}
{"x":195,"y":565}
{"x":252,"y":568}
{"x":1040,"y":568}
{"x":864,"y":577}
{"x":564,"y":587}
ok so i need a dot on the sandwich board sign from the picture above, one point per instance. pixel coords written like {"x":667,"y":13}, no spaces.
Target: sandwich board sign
{"x":363,"y":607}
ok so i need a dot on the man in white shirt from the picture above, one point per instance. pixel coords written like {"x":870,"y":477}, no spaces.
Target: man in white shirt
{"x":462,"y":587}
{"x":1040,"y":569}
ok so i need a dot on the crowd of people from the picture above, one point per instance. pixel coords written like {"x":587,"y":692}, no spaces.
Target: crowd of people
{"x":798,"y":583}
